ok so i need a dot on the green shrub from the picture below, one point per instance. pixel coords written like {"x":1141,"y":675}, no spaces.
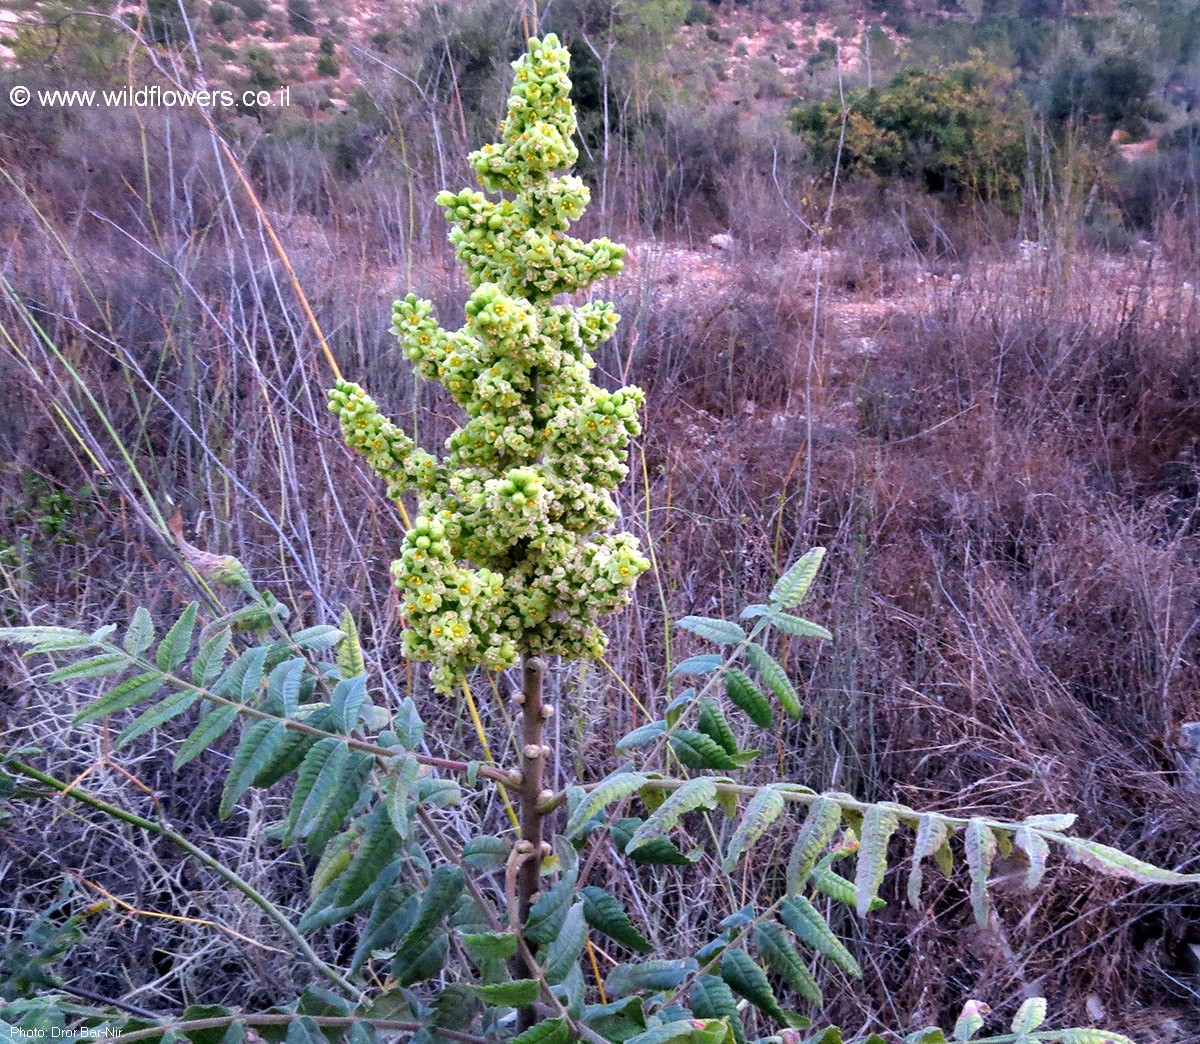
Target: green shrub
{"x":960,"y":130}
{"x":300,"y":17}
{"x":252,"y":9}
{"x":261,"y":67}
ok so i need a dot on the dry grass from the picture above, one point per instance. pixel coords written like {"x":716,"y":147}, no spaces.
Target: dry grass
{"x":1001,"y":461}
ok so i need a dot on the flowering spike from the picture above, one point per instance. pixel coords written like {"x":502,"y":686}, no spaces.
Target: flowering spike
{"x":513,"y":551}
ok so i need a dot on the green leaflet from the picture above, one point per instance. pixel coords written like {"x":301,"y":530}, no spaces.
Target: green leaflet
{"x":694,"y":794}
{"x":318,"y":639}
{"x":349,"y":654}
{"x":1057,"y":821}
{"x":877,"y":828}
{"x":703,"y":664}
{"x":567,"y":945}
{"x":776,"y":679}
{"x":55,"y":638}
{"x":654,"y":853}
{"x":765,"y":807}
{"x":140,"y":635}
{"x":698,"y":751}
{"x":325,"y":910}
{"x":721,"y":632}
{"x":259,"y":744}
{"x":1092,"y":1036}
{"x":642,"y":736}
{"x":213,"y":724}
{"x":283,"y":685}
{"x":810,"y":928}
{"x":316,"y":782}
{"x":455,"y":1007}
{"x":792,"y":588}
{"x":745,"y":977}
{"x":400,"y":783}
{"x":711,"y":998}
{"x":485,"y":946}
{"x":132,"y":690}
{"x":304,"y":1031}
{"x":291,"y":752}
{"x":780,"y":956}
{"x":713,"y":724}
{"x":653,"y":976}
{"x":423,"y":960}
{"x":970,"y":1021}
{"x":159,"y":714}
{"x":375,"y":850}
{"x":347,"y":795}
{"x":101,"y":666}
{"x":932,"y":835}
{"x":207,"y":664}
{"x":744,"y":694}
{"x":408,"y":724}
{"x":1116,"y":863}
{"x":333,"y":861}
{"x":173,"y":649}
{"x":388,"y":922}
{"x":438,"y":793}
{"x":242,"y":677}
{"x":1037,"y":851}
{"x":444,"y":888}
{"x":548,"y":1031}
{"x":693,"y":1031}
{"x":603,"y":794}
{"x":834,"y":885}
{"x":798,"y":626}
{"x":549,"y":910}
{"x":980,"y":845}
{"x":1030,"y":1015}
{"x":608,"y":916}
{"x":346,"y":701}
{"x":519,"y":993}
{"x":821,"y":823}
{"x":485,"y":852}
{"x":616,"y":1021}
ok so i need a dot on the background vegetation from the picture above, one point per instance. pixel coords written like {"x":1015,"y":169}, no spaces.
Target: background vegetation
{"x":981,"y":393}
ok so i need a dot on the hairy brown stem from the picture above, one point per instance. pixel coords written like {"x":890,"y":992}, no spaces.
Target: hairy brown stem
{"x":533,"y":760}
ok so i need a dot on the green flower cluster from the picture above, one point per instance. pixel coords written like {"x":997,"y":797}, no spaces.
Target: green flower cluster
{"x":524,"y":493}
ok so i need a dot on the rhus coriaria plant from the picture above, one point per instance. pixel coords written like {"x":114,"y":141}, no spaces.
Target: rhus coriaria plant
{"x":512,"y":552}
{"x":500,"y":901}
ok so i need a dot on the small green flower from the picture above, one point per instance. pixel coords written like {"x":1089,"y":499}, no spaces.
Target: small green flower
{"x":512,"y":552}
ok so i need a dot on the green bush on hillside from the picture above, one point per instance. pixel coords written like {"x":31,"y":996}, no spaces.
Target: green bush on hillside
{"x":959,"y":130}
